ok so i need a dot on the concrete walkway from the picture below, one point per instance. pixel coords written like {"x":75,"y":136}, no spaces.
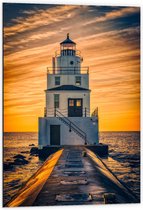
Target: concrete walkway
{"x":76,"y":180}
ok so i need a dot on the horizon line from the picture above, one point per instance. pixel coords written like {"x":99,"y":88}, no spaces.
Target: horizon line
{"x":37,"y":131}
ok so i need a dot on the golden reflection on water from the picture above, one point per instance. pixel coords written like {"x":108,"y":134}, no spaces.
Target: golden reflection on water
{"x":29,"y":192}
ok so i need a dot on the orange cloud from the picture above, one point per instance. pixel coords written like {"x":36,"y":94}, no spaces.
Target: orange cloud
{"x":112,"y":54}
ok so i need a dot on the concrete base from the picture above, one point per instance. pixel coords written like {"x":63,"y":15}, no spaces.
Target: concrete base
{"x":47,"y":151}
{"x":100,"y":149}
{"x":89,"y":125}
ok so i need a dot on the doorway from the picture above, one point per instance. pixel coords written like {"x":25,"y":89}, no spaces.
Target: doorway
{"x":54,"y":134}
{"x":75,"y":107}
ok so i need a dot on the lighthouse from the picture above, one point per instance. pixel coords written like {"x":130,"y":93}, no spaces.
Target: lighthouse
{"x":67,"y":117}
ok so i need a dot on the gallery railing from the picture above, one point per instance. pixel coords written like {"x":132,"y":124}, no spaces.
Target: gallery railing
{"x":50,"y":112}
{"x":85,"y":112}
{"x":68,"y":52}
{"x":95,"y":112}
{"x":67,"y":70}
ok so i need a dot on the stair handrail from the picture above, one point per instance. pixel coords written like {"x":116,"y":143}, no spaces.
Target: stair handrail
{"x":70,"y":121}
{"x":72,"y":125}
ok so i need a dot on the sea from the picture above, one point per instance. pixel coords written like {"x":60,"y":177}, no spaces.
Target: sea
{"x":123,"y":160}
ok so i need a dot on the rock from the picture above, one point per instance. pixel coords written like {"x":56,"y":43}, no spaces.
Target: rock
{"x":8,"y":166}
{"x":34,"y":151}
{"x":31,"y":145}
{"x":19,"y":156}
{"x":19,"y":161}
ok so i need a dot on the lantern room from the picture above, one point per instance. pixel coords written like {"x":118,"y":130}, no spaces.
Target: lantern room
{"x":68,"y":47}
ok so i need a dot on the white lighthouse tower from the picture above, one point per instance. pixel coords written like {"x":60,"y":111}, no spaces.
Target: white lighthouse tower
{"x":67,"y":119}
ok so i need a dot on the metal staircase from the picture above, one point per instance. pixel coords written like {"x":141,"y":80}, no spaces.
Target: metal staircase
{"x":72,"y":126}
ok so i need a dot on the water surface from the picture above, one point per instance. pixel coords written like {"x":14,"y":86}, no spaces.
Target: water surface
{"x":124,"y":159}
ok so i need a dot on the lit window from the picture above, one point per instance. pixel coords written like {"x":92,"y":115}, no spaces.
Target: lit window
{"x":56,"y":100}
{"x":78,"y":103}
{"x":71,"y":102}
{"x":78,"y":81}
{"x":57,"y":80}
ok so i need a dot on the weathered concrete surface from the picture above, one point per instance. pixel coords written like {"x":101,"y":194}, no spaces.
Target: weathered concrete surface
{"x":99,"y":149}
{"x":28,"y":193}
{"x":77,"y":180}
{"x":71,"y":177}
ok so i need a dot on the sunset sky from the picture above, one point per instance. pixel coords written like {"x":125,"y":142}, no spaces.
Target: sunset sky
{"x":108,"y":38}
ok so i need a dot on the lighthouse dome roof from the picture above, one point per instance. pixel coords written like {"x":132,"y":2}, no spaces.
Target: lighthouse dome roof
{"x":68,"y":40}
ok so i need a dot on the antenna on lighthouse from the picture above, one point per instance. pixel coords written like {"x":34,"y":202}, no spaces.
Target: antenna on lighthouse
{"x":67,"y":35}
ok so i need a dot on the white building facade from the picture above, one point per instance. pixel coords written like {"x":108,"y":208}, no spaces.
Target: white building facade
{"x":67,"y":119}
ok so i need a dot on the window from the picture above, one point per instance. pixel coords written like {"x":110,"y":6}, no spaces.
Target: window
{"x":78,"y":81}
{"x":57,"y":80}
{"x":56,"y":100}
{"x":71,"y":102}
{"x":78,"y":103}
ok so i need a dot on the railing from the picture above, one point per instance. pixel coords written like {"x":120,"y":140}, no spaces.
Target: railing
{"x":85,"y":112}
{"x":68,"y":70}
{"x":60,"y":52}
{"x":50,"y":112}
{"x":95,"y":112}
{"x":72,"y":126}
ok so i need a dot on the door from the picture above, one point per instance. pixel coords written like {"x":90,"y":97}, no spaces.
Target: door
{"x":54,"y":134}
{"x":75,"y":107}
